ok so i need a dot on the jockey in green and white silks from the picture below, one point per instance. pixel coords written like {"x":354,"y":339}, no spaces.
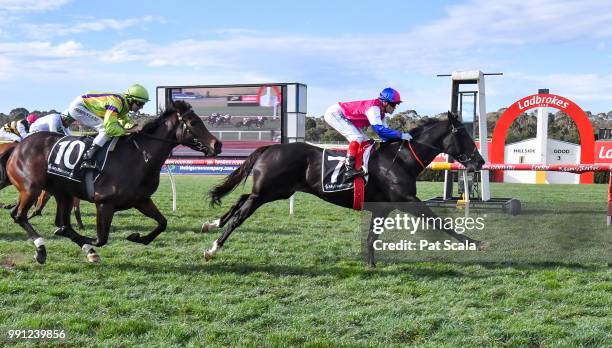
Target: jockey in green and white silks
{"x":107,"y":113}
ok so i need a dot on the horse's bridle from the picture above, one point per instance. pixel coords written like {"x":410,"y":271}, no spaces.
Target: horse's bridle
{"x":463,"y":158}
{"x":196,"y":144}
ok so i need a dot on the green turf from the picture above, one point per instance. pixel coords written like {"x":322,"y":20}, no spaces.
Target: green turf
{"x":291,"y":281}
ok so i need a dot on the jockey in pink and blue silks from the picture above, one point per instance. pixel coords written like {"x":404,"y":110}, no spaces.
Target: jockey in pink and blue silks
{"x":348,"y":118}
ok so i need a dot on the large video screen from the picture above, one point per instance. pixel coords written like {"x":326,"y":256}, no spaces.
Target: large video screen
{"x":243,"y":118}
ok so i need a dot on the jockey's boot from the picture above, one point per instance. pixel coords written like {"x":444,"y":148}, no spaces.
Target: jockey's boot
{"x":89,"y":159}
{"x":351,"y":172}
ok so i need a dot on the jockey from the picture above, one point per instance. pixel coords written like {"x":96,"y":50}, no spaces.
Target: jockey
{"x":17,"y":130}
{"x":108,"y":114}
{"x":53,"y":123}
{"x":348,"y":118}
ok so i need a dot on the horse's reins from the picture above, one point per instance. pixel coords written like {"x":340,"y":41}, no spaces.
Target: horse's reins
{"x":454,"y":130}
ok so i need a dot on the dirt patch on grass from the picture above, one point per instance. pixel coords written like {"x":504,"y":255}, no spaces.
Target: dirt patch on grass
{"x":7,"y":264}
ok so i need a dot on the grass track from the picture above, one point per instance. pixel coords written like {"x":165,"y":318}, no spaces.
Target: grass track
{"x":295,"y":280}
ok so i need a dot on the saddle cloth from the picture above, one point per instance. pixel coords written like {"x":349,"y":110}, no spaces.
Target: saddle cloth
{"x":333,"y":168}
{"x":66,"y":156}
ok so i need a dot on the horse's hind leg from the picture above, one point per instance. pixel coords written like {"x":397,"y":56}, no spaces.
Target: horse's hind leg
{"x":62,"y":220}
{"x":20,"y":215}
{"x":42,"y":200}
{"x":248,"y":207}
{"x":76,"y":208}
{"x":149,"y":209}
{"x":219,"y":223}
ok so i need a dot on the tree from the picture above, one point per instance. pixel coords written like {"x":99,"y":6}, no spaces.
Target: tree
{"x":332,"y":135}
{"x":18,"y":113}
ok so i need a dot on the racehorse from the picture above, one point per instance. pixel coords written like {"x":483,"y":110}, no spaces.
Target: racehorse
{"x":130,"y":177}
{"x":250,"y":122}
{"x":216,"y":120}
{"x":5,"y":151}
{"x":44,"y":196}
{"x":281,"y":170}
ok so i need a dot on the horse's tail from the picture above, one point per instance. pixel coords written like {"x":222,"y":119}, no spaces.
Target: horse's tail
{"x":4,"y":157}
{"x":235,"y":178}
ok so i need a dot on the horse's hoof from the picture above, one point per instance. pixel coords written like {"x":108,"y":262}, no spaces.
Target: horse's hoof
{"x":134,"y":237}
{"x":61,"y":232}
{"x":205,"y":227}
{"x":482,"y":246}
{"x":41,"y":255}
{"x":93,"y":258}
{"x":208,"y":255}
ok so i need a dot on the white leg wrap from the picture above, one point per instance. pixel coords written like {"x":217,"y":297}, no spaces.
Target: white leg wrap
{"x":215,"y":248}
{"x":86,"y":248}
{"x":39,"y":242}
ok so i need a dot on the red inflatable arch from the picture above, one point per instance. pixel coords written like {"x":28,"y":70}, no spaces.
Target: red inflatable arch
{"x":585,"y":129}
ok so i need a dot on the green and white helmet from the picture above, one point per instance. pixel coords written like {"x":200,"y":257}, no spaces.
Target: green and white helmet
{"x":138,"y":93}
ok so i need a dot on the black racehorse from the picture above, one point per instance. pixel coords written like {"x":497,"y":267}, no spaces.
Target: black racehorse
{"x":130,"y":177}
{"x":281,"y":170}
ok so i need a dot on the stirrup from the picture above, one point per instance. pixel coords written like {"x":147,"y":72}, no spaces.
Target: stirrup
{"x":353,"y":173}
{"x":89,"y":165}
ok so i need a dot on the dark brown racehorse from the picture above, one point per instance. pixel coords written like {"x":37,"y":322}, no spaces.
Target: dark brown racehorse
{"x":281,"y":170}
{"x":129,"y":179}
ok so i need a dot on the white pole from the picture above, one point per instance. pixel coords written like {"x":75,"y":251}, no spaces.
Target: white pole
{"x":466,"y":193}
{"x":483,"y":135}
{"x":291,"y":204}
{"x":173,"y":185}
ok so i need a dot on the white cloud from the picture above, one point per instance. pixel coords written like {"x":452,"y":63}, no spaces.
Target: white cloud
{"x":582,"y":87}
{"x":516,"y":22}
{"x":94,"y":25}
{"x":44,"y":49}
{"x":31,"y":5}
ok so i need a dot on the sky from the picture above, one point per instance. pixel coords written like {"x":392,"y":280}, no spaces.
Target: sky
{"x":54,"y":50}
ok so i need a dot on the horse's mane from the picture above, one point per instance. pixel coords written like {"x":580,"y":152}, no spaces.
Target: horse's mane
{"x":425,"y":124}
{"x":150,"y":127}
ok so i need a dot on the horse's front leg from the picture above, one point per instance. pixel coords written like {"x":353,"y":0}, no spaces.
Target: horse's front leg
{"x":62,"y":220}
{"x":372,"y":236}
{"x":149,"y":209}
{"x":104,"y":218}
